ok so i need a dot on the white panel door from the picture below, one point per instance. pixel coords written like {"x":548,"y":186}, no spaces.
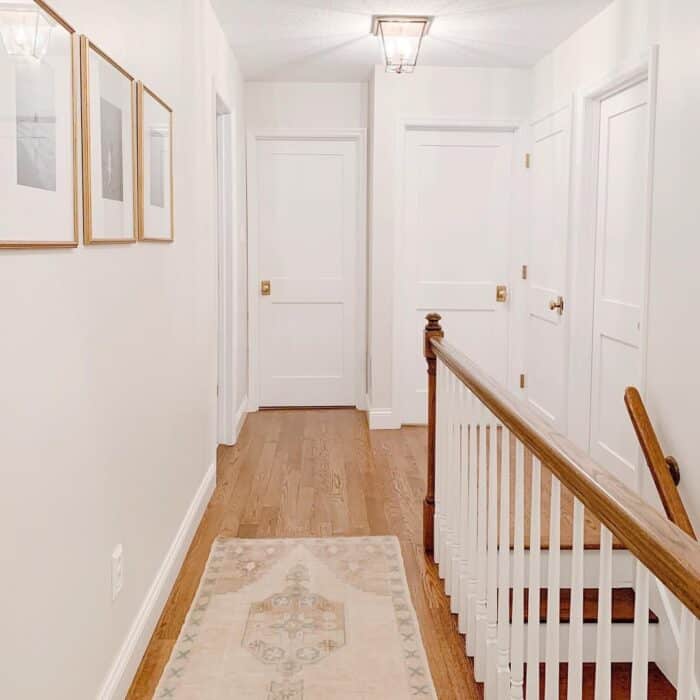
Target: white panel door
{"x":620,"y":276}
{"x":546,"y":333}
{"x":454,"y":251}
{"x":306,"y":205}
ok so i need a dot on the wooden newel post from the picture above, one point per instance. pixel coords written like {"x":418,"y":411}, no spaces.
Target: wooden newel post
{"x":433,"y":329}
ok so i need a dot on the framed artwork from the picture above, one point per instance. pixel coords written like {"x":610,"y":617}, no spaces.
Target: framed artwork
{"x":39,"y":127}
{"x":155,"y":156}
{"x":110,"y":207}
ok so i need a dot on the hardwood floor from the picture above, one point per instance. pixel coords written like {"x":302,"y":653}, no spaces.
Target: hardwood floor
{"x":321,"y":473}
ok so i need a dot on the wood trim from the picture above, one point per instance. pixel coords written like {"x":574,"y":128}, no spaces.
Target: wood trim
{"x":54,"y":15}
{"x":657,"y":462}
{"x":668,"y":552}
{"x":85,"y":47}
{"x":75,"y":120}
{"x":142,"y":90}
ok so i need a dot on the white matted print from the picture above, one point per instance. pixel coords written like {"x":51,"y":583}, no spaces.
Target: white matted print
{"x":109,"y":148}
{"x":38,"y":127}
{"x":156,"y":221}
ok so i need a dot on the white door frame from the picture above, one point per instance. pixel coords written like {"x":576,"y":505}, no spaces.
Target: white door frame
{"x":224,"y":139}
{"x":359,"y":138}
{"x":588,"y":102}
{"x":404,"y":125}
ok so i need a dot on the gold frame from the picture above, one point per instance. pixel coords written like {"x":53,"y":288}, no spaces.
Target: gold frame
{"x":141,"y":90}
{"x":75,"y":79}
{"x":85,"y":46}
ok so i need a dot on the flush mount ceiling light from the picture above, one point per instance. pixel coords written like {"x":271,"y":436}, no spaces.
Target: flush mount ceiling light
{"x":24,"y":29}
{"x":401,"y":38}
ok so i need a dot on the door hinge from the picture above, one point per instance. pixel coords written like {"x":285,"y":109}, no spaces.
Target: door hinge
{"x":501,"y":293}
{"x":528,"y":160}
{"x":524,"y":272}
{"x":522,"y":381}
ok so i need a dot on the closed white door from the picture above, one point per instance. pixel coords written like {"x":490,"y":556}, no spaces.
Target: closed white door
{"x":454,"y":251}
{"x":546,"y":333}
{"x":620,"y":276}
{"x":306,"y":196}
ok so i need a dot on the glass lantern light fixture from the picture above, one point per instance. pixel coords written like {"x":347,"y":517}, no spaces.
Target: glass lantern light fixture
{"x":401,"y":38}
{"x":25,"y":30}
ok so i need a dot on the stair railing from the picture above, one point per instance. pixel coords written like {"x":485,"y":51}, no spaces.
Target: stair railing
{"x":664,"y":470}
{"x":498,"y":479}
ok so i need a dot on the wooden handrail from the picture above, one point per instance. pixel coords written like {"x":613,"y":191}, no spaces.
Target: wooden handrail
{"x":668,"y":552}
{"x":659,"y":465}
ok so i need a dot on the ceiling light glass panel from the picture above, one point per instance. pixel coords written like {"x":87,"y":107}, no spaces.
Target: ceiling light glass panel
{"x":25,"y":30}
{"x":401,"y":38}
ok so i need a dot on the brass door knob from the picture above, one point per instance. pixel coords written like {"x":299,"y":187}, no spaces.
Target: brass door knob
{"x":265,"y":288}
{"x":557,"y":305}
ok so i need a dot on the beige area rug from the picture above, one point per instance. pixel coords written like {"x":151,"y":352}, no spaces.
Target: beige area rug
{"x":300,"y":619}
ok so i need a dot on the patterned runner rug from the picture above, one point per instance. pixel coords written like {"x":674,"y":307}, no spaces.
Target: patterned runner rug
{"x":300,"y":619}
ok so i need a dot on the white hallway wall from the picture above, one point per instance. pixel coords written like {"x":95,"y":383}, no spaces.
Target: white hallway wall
{"x":306,"y":105}
{"x":108,"y":398}
{"x":461,"y":94}
{"x":623,"y":32}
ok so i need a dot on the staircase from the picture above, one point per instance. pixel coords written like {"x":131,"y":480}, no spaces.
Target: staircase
{"x":547,"y":559}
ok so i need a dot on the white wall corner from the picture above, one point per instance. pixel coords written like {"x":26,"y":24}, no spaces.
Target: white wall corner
{"x":383,"y":419}
{"x":123,"y":670}
{"x":239,"y":420}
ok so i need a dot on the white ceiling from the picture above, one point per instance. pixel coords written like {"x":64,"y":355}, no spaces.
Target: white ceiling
{"x":330,"y":40}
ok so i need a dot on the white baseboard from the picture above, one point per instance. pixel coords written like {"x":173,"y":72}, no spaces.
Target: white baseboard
{"x":241,"y":414}
{"x":383,"y":419}
{"x":121,"y":674}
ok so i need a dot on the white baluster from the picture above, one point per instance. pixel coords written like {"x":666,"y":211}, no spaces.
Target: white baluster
{"x":686,"y":656}
{"x":503,"y":669}
{"x":575,"y":682}
{"x":475,"y":454}
{"x":481,"y":568}
{"x":533,"y":614}
{"x":439,"y":457}
{"x":640,"y":649}
{"x":517,"y":651}
{"x":460,"y":600}
{"x":552,"y":654}
{"x":460,"y":510}
{"x":446,"y":556}
{"x":454,"y":494}
{"x":603,"y":642}
{"x":491,"y":687}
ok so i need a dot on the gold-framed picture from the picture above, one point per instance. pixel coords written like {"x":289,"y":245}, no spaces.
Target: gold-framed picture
{"x":39,"y":127}
{"x":110,"y":198}
{"x":155,"y":171}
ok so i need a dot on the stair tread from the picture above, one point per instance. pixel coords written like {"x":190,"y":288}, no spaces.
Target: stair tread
{"x":591,"y":524}
{"x":622,"y":605}
{"x":660,"y":688}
